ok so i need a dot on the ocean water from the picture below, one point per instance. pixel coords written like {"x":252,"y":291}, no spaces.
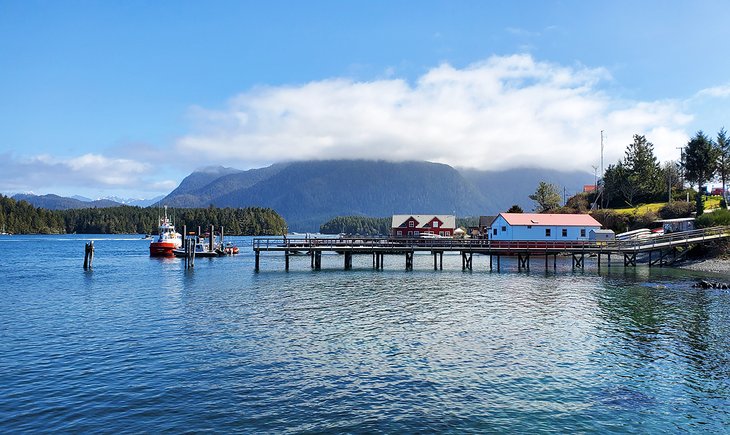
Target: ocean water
{"x":141,"y":345}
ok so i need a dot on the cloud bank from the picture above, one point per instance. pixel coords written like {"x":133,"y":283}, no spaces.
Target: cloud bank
{"x":89,"y":171}
{"x":504,"y":112}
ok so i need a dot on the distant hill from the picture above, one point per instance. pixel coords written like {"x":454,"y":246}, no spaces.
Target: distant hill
{"x":55,"y":202}
{"x":308,"y":194}
{"x":203,"y":188}
{"x":514,"y":186}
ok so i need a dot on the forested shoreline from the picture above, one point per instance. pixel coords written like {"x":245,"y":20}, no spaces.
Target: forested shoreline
{"x":20,"y":217}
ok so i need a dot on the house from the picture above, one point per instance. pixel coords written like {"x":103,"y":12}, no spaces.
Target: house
{"x":420,"y":225}
{"x":536,"y":226}
{"x":485,"y":223}
{"x":588,"y":188}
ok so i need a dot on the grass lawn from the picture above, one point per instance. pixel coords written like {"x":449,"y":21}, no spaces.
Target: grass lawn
{"x":643,"y":208}
{"x":710,"y":203}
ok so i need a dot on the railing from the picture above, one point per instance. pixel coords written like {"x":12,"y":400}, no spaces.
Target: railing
{"x":390,"y":243}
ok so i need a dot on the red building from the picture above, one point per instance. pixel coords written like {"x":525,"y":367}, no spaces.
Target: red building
{"x":423,"y":225}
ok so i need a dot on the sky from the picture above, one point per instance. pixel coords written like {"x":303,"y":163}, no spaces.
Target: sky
{"x":101,"y":98}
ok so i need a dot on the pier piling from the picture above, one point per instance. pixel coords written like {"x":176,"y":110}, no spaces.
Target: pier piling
{"x":89,"y":255}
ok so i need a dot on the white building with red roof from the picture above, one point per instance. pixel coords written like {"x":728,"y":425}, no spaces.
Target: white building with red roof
{"x":537,"y":226}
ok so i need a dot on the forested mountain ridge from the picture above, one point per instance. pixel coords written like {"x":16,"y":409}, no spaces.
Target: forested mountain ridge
{"x":55,"y":202}
{"x":309,"y":193}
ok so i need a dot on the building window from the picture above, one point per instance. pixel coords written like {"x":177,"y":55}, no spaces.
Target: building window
{"x":411,"y":224}
{"x":565,"y":232}
{"x":399,"y":233}
{"x":547,"y":232}
{"x":416,"y":233}
{"x":441,"y":233}
{"x":582,"y":232}
{"x":495,"y":231}
{"x":435,"y":224}
{"x":410,"y":233}
{"x":504,"y":229}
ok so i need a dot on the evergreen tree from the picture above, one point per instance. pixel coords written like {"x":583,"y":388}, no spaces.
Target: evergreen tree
{"x":546,"y":196}
{"x":723,"y":159}
{"x":700,"y":163}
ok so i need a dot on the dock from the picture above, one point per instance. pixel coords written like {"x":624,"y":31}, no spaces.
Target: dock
{"x":662,"y":250}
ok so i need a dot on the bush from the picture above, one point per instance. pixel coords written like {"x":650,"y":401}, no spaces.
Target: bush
{"x":676,"y":209}
{"x":716,"y":218}
{"x":611,"y":220}
{"x":645,"y":220}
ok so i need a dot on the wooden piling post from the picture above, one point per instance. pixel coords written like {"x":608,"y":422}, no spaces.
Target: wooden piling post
{"x":317,"y":260}
{"x":256,"y":268}
{"x":192,"y":253}
{"x":286,"y":260}
{"x":348,"y":260}
{"x":89,"y":255}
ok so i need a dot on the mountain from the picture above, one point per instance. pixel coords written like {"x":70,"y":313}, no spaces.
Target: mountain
{"x":514,"y":186}
{"x":309,"y":193}
{"x":81,"y":198}
{"x":203,"y":188}
{"x":55,"y":202}
{"x":134,"y":201}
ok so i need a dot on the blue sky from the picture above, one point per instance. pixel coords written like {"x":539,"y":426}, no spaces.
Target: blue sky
{"x":126,"y":98}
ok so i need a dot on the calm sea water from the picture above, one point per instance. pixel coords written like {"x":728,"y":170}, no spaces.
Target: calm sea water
{"x":141,"y":345}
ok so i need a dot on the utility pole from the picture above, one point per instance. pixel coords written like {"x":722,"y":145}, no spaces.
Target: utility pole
{"x":601,"y":153}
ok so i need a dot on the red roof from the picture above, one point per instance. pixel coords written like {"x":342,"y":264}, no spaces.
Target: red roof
{"x":561,"y":220}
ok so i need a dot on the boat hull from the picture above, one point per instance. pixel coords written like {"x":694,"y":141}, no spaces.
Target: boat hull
{"x":162,"y":249}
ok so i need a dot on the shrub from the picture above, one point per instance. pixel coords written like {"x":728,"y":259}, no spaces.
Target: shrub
{"x":611,"y":220}
{"x":676,"y":209}
{"x":642,"y":220}
{"x":716,"y":218}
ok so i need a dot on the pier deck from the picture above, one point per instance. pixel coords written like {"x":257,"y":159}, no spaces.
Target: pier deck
{"x":667,"y":248}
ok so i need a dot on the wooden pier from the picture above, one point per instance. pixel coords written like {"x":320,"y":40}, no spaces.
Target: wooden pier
{"x":661,"y":250}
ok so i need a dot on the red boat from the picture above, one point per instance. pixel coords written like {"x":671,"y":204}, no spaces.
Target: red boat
{"x":167,"y":240}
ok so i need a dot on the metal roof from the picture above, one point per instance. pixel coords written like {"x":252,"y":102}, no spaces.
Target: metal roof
{"x":546,"y":219}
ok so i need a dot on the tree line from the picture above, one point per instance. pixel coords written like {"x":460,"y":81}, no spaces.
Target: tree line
{"x":639,"y":178}
{"x":20,"y":217}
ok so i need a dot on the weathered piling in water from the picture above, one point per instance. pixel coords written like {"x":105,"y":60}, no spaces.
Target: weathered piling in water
{"x":89,"y":255}
{"x":189,"y":253}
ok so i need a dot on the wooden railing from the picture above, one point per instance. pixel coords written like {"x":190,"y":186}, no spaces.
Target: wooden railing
{"x":421,"y":244}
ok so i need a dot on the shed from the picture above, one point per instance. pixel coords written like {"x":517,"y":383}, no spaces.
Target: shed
{"x":601,"y":235}
{"x":677,"y":225}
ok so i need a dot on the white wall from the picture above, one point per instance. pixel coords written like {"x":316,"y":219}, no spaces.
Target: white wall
{"x":537,"y":232}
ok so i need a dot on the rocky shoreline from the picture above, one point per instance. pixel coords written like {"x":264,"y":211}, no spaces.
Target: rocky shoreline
{"x":714,"y":265}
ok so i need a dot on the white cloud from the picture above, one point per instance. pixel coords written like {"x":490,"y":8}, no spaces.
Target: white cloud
{"x":715,"y":92}
{"x":45,"y":172}
{"x":503,"y":112}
